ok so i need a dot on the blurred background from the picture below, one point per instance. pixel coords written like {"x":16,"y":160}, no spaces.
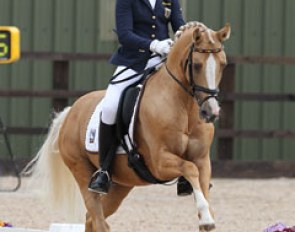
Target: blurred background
{"x":257,"y":125}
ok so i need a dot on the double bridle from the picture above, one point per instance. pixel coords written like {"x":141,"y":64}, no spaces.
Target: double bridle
{"x":194,"y":88}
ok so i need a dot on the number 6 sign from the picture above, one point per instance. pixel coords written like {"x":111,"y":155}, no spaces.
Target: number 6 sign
{"x":9,"y":44}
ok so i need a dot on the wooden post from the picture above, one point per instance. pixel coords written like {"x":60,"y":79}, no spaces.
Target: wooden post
{"x":225,"y":146}
{"x":60,"y":82}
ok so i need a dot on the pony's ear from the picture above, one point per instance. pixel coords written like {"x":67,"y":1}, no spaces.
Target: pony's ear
{"x":224,"y":33}
{"x":197,"y":35}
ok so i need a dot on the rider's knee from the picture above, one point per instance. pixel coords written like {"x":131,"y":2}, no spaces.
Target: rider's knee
{"x":109,"y":113}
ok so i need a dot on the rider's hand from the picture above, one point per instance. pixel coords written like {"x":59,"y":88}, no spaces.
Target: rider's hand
{"x":161,"y":47}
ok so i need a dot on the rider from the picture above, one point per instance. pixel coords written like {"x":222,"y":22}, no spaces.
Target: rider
{"x":142,"y":29}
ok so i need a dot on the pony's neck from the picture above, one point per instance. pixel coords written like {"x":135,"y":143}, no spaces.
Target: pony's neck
{"x":176,"y":64}
{"x":163,"y":88}
{"x":178,"y":56}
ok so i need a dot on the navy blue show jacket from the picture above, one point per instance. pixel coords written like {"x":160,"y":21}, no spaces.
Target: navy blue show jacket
{"x":137,"y":25}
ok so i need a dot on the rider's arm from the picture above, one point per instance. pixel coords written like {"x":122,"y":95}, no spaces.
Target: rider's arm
{"x":124,"y":25}
{"x":176,"y":15}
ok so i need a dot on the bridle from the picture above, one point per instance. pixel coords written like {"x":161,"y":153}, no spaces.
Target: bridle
{"x":194,"y":88}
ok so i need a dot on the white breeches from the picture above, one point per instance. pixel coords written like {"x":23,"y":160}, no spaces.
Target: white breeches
{"x":114,"y":91}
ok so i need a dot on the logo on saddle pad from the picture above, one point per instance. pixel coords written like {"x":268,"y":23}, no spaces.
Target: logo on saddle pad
{"x":92,"y":135}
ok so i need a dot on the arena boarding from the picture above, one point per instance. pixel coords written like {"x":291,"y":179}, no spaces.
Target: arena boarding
{"x":54,"y":227}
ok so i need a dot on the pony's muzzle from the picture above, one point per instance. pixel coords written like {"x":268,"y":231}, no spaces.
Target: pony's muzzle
{"x":208,"y":118}
{"x":209,"y":113}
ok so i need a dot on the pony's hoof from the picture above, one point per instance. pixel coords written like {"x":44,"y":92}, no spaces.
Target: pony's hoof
{"x":206,"y":228}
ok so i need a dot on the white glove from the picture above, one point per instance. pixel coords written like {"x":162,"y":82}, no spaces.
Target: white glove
{"x":161,"y":47}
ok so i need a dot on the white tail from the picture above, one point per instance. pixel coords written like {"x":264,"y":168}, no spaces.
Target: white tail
{"x":52,"y":178}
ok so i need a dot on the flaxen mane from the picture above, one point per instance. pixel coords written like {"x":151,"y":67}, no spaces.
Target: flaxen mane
{"x":191,"y":25}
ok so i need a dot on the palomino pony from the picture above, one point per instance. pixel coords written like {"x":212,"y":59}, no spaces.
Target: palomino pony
{"x":172,"y":131}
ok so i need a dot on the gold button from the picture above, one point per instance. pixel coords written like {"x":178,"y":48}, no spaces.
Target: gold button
{"x":153,"y":36}
{"x":154,"y":26}
{"x":153,"y":17}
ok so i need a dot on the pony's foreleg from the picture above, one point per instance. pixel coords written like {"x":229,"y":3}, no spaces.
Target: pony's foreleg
{"x":114,"y":198}
{"x":206,"y":221}
{"x":204,"y":166}
{"x":171,"y":166}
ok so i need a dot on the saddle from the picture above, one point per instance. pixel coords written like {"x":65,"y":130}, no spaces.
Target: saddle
{"x":126,"y":119}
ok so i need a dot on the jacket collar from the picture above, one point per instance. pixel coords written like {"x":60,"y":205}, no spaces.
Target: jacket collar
{"x":147,"y":2}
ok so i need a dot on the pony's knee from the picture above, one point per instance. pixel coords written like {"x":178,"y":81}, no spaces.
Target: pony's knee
{"x":190,"y":170}
{"x":163,"y":172}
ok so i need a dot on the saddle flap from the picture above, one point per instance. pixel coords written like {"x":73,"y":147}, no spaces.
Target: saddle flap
{"x":129,"y":102}
{"x":127,"y":111}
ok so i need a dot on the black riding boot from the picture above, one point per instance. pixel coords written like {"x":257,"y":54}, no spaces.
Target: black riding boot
{"x":184,"y":187}
{"x":101,"y":180}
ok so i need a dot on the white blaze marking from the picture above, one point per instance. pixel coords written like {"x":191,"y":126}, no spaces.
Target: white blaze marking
{"x":211,"y":66}
{"x":211,"y":71}
{"x":210,"y":77}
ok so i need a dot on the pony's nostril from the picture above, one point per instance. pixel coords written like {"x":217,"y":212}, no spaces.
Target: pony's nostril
{"x":203,"y":113}
{"x":212,"y":118}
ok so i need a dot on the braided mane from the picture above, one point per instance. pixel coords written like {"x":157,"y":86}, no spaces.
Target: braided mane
{"x":191,"y":25}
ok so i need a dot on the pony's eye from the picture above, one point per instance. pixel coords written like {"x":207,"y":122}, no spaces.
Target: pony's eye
{"x":198,"y":66}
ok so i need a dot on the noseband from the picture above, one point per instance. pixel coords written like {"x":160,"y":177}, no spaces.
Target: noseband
{"x":194,"y":89}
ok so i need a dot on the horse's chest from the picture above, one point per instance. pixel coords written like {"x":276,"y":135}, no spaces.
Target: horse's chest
{"x":196,"y":147}
{"x":184,"y":143}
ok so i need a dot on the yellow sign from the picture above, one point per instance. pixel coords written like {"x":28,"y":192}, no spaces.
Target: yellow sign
{"x":9,"y":44}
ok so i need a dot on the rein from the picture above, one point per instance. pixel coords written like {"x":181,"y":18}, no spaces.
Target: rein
{"x":114,"y":82}
{"x":194,"y":88}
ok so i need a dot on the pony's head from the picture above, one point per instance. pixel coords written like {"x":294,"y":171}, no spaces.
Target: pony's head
{"x":199,"y":55}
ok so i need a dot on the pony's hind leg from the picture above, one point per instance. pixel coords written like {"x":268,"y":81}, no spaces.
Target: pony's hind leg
{"x":82,"y":171}
{"x":109,"y":204}
{"x":114,"y":198}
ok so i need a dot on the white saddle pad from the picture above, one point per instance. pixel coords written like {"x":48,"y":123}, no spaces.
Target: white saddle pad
{"x":92,"y":131}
